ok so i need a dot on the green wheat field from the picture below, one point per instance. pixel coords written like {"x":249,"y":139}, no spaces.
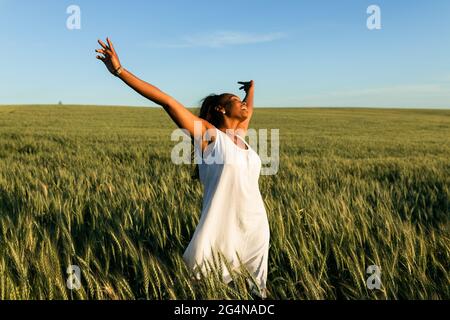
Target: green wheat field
{"x":95,"y":187}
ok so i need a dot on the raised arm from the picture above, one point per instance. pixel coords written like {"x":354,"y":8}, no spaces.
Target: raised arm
{"x":180,"y":115}
{"x":249,"y":88}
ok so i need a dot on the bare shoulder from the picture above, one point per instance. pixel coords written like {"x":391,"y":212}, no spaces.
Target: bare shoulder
{"x":209,"y":135}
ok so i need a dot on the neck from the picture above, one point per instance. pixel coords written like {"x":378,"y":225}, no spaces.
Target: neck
{"x":229,"y":124}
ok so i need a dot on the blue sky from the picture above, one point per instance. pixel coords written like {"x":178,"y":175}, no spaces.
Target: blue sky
{"x":300,"y":53}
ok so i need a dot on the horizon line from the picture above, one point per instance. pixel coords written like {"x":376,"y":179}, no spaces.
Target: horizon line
{"x":259,"y":107}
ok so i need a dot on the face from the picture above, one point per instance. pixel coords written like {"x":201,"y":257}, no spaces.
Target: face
{"x":235,"y":108}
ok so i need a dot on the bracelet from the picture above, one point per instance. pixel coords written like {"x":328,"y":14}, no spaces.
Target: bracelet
{"x":118,"y":71}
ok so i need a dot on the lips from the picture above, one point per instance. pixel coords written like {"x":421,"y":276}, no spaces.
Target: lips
{"x":243,"y":108}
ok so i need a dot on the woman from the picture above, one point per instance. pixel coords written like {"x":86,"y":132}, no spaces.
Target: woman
{"x":233,"y":223}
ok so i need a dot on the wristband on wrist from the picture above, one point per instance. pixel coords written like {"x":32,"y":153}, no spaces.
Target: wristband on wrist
{"x":118,"y":71}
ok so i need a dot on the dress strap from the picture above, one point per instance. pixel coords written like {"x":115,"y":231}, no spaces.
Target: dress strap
{"x":212,"y":145}
{"x":248,"y":146}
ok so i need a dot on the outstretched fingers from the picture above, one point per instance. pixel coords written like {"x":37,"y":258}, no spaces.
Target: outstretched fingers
{"x":103,"y":54}
{"x":107,"y":49}
{"x":111,"y":46}
{"x":103,"y":44}
{"x":246,"y":85}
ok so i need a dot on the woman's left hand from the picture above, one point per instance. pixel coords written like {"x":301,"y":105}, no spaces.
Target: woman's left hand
{"x":246,"y":85}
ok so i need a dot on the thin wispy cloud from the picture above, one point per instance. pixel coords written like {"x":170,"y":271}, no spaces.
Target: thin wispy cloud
{"x":398,"y":89}
{"x":222,"y":39}
{"x":408,"y":95}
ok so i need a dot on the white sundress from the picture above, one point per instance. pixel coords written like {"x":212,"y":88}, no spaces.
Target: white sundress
{"x":233,"y":220}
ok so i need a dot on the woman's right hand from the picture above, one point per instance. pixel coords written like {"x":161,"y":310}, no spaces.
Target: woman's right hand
{"x":109,"y":56}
